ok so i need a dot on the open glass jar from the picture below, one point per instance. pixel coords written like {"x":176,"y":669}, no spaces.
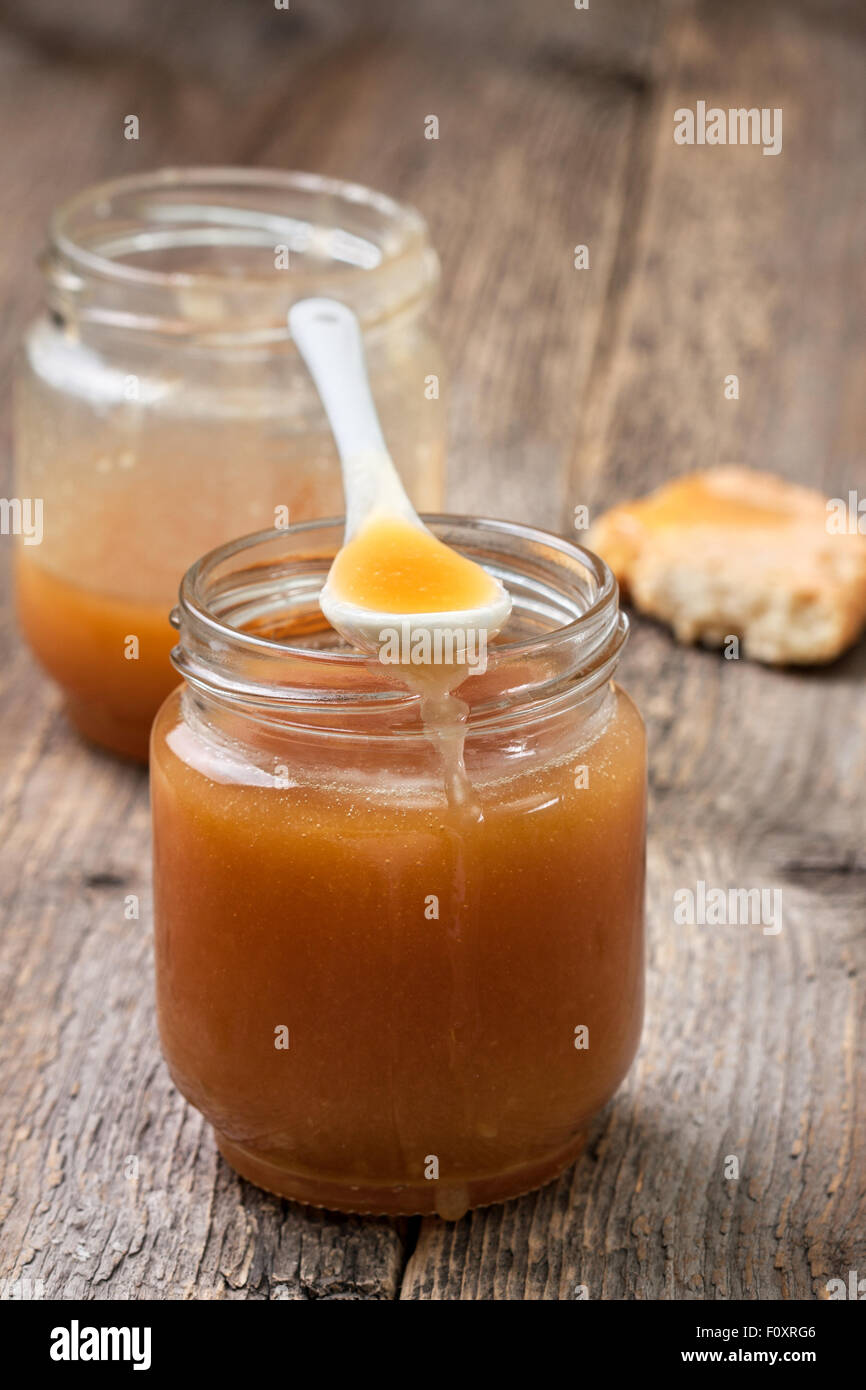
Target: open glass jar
{"x":381,"y":1001}
{"x":162,"y":407}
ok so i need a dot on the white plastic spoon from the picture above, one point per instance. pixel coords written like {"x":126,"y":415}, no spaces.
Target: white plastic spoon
{"x":328,"y":338}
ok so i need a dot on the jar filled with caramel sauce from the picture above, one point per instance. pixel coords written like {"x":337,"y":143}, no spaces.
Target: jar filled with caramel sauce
{"x":382,"y":997}
{"x":161,"y":406}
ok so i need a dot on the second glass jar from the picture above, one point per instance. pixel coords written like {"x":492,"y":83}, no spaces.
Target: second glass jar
{"x":162,"y":408}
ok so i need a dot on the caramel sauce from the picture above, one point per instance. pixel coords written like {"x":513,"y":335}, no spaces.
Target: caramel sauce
{"x":391,"y":566}
{"x":412,"y":1034}
{"x":81,"y":638}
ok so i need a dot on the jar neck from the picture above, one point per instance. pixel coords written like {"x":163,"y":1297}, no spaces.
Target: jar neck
{"x":220,"y":255}
{"x":252,"y":638}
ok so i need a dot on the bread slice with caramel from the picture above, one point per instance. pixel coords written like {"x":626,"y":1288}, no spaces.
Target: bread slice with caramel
{"x":732,"y":552}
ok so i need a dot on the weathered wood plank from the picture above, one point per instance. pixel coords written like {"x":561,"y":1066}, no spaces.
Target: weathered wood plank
{"x":698,"y":259}
{"x":248,"y":37}
{"x":526,"y":166}
{"x":753,"y":1046}
{"x":744,"y":264}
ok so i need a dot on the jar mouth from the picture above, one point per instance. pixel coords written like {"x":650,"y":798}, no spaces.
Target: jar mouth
{"x":230,"y":249}
{"x":251,"y":631}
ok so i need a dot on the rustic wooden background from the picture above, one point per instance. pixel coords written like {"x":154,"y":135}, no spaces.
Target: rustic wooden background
{"x":569,"y":387}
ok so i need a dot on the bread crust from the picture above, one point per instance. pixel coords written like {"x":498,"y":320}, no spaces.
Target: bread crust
{"x":733,"y":552}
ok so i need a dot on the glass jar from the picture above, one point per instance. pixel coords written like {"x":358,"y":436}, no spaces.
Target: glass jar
{"x":383,"y":1002}
{"x":162,"y":407}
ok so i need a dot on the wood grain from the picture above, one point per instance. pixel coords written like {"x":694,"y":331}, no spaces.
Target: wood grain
{"x":568,"y":387}
{"x":527,"y":164}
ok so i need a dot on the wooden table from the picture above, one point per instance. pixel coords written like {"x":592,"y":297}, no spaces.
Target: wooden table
{"x":570,"y":387}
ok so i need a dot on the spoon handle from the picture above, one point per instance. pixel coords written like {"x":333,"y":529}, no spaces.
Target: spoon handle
{"x":328,"y":337}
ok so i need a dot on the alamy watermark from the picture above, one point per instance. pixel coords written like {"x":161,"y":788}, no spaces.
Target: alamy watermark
{"x":77,"y":1343}
{"x":408,"y":645}
{"x":711,"y":907}
{"x":712,"y":125}
{"x":855,"y":1288}
{"x":22,"y":516}
{"x":846,"y":516}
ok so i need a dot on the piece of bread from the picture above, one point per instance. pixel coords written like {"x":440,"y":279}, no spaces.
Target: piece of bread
{"x":730,"y":552}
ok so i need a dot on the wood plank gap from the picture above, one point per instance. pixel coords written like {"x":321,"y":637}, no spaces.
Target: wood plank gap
{"x":598,"y":397}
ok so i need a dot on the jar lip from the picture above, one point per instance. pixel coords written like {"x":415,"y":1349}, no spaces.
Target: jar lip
{"x":409,"y":224}
{"x":550,"y":577}
{"x":191,"y":595}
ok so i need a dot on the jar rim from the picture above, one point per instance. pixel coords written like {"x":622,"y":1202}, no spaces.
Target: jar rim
{"x":403,"y":215}
{"x":139,"y":214}
{"x":558,"y":578}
